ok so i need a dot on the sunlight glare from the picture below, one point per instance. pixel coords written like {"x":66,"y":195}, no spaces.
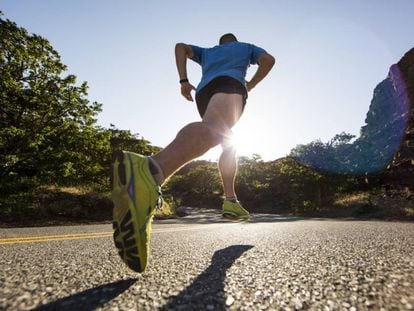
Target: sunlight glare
{"x":249,"y":137}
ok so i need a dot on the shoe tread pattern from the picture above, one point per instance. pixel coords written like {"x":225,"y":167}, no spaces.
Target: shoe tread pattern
{"x":123,"y":236}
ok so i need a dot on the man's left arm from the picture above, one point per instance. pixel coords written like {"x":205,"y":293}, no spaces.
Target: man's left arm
{"x":266,"y":62}
{"x":182,"y":52}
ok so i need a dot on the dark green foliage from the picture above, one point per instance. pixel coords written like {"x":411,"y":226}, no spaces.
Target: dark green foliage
{"x":308,"y":190}
{"x":200,"y":186}
{"x":255,"y":184}
{"x":86,"y":206}
{"x":125,"y":140}
{"x":278,"y":186}
{"x":333,"y":156}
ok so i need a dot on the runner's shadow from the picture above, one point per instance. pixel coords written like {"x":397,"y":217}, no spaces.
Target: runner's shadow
{"x":90,"y":299}
{"x":208,"y":288}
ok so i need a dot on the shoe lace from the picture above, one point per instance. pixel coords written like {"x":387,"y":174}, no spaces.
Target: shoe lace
{"x":158,"y":206}
{"x":160,"y":199}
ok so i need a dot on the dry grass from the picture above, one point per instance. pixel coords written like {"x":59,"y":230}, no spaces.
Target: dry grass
{"x":352,"y":198}
{"x":409,"y":211}
{"x":377,"y":204}
{"x":68,"y":190}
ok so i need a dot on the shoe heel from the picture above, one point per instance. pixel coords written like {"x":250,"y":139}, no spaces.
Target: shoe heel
{"x":120,"y":157}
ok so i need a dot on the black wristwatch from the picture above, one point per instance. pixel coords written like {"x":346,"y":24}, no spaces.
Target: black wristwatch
{"x":183,"y":81}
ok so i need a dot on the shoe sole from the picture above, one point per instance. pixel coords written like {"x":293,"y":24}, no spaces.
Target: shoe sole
{"x":126,"y":233}
{"x":233,"y":216}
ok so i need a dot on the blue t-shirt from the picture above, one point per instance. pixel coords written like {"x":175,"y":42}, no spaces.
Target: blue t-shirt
{"x":229,"y":59}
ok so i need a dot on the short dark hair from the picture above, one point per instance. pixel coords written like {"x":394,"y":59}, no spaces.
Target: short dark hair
{"x":228,"y":37}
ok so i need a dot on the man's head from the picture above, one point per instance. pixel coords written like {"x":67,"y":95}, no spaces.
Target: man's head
{"x":228,"y":37}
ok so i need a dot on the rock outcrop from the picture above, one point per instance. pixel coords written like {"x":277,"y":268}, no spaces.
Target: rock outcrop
{"x":400,"y":171}
{"x":386,"y":123}
{"x":385,"y":147}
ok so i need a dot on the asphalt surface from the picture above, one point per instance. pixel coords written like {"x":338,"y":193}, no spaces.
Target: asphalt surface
{"x":204,"y":263}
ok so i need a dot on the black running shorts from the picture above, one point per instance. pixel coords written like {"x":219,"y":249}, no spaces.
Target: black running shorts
{"x":221,"y":84}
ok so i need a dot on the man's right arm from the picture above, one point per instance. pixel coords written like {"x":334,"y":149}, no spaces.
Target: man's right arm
{"x":182,"y":52}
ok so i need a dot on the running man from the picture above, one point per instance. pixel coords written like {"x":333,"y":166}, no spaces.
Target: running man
{"x":220,"y":96}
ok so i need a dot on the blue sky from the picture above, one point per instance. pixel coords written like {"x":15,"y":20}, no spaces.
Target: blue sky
{"x":329,"y":57}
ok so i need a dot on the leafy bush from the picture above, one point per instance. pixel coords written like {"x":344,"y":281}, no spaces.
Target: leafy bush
{"x":200,"y":186}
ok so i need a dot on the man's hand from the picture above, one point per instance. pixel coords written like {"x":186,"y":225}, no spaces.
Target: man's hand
{"x":249,"y":86}
{"x":186,"y":89}
{"x":266,"y":62}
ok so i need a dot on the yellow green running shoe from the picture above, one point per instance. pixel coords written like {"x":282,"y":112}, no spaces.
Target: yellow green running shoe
{"x":135,"y":196}
{"x":234,"y":210}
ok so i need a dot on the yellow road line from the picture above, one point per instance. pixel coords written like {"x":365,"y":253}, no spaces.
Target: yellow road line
{"x":91,"y":235}
{"x":55,"y":238}
{"x":73,"y":235}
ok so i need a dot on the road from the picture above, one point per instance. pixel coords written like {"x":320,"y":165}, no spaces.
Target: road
{"x":204,"y":263}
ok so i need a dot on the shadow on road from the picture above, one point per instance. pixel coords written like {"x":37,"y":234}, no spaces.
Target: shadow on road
{"x":208,"y":216}
{"x":90,"y":299}
{"x":258,"y":218}
{"x":208,"y":288}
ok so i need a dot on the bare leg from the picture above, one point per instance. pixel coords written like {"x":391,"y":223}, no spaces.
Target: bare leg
{"x":223,"y":111}
{"x":228,"y":169}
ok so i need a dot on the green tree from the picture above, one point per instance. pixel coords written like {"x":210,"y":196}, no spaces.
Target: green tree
{"x":336,"y":156}
{"x":47,"y":125}
{"x":253,"y":182}
{"x":125,"y":140}
{"x":303,"y":185}
{"x":200,"y":186}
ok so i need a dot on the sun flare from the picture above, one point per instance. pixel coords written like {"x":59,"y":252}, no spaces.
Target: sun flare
{"x":249,"y":137}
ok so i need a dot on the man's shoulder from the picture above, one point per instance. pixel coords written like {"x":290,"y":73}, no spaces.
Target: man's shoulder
{"x":230,"y":45}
